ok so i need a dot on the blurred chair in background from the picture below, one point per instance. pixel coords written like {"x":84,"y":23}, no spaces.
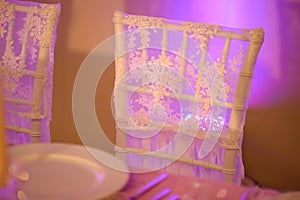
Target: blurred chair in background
{"x":27,"y":41}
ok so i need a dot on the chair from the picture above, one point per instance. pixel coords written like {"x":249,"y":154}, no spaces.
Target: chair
{"x":27,"y":40}
{"x":180,"y":96}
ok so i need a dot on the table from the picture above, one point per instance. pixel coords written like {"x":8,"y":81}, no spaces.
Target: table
{"x":189,"y":188}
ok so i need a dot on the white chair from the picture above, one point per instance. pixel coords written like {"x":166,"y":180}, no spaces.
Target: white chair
{"x":27,"y":41}
{"x":180,"y":97}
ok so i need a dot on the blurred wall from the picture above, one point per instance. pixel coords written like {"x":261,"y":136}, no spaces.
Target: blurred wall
{"x":82,"y":26}
{"x":272,"y":133}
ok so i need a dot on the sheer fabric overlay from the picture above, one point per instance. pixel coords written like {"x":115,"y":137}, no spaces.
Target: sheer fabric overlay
{"x":27,"y":41}
{"x":181,"y":91}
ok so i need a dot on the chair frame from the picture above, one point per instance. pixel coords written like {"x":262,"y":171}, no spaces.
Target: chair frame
{"x":40,"y":76}
{"x":231,"y":141}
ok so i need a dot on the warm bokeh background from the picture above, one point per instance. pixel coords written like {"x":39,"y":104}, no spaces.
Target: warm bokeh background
{"x":272,"y":133}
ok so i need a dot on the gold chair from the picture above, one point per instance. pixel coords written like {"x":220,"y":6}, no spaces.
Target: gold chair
{"x":180,"y":96}
{"x":27,"y":40}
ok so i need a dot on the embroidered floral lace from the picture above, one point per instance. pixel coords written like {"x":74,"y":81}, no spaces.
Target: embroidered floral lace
{"x":176,"y":85}
{"x":27,"y":40}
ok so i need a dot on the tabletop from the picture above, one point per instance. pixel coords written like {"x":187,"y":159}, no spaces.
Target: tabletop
{"x":188,"y":188}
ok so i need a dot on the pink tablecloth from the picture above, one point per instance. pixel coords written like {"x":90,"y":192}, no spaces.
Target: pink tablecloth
{"x":190,"y":188}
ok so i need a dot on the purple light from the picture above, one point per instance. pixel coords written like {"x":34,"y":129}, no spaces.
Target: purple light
{"x":244,"y":14}
{"x":277,"y":64}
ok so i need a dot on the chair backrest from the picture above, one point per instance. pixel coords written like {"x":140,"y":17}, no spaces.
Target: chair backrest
{"x":27,"y":40}
{"x":180,"y":96}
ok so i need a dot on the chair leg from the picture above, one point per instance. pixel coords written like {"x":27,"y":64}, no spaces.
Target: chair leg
{"x":230,"y":165}
{"x":36,"y":131}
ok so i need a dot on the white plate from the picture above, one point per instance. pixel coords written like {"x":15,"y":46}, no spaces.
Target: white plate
{"x":65,"y":171}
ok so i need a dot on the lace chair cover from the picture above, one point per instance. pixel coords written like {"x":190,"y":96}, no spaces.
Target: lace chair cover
{"x":27,"y":40}
{"x":182,"y":86}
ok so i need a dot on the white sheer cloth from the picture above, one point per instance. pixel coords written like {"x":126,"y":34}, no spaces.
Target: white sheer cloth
{"x":27,"y":40}
{"x":181,"y":91}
